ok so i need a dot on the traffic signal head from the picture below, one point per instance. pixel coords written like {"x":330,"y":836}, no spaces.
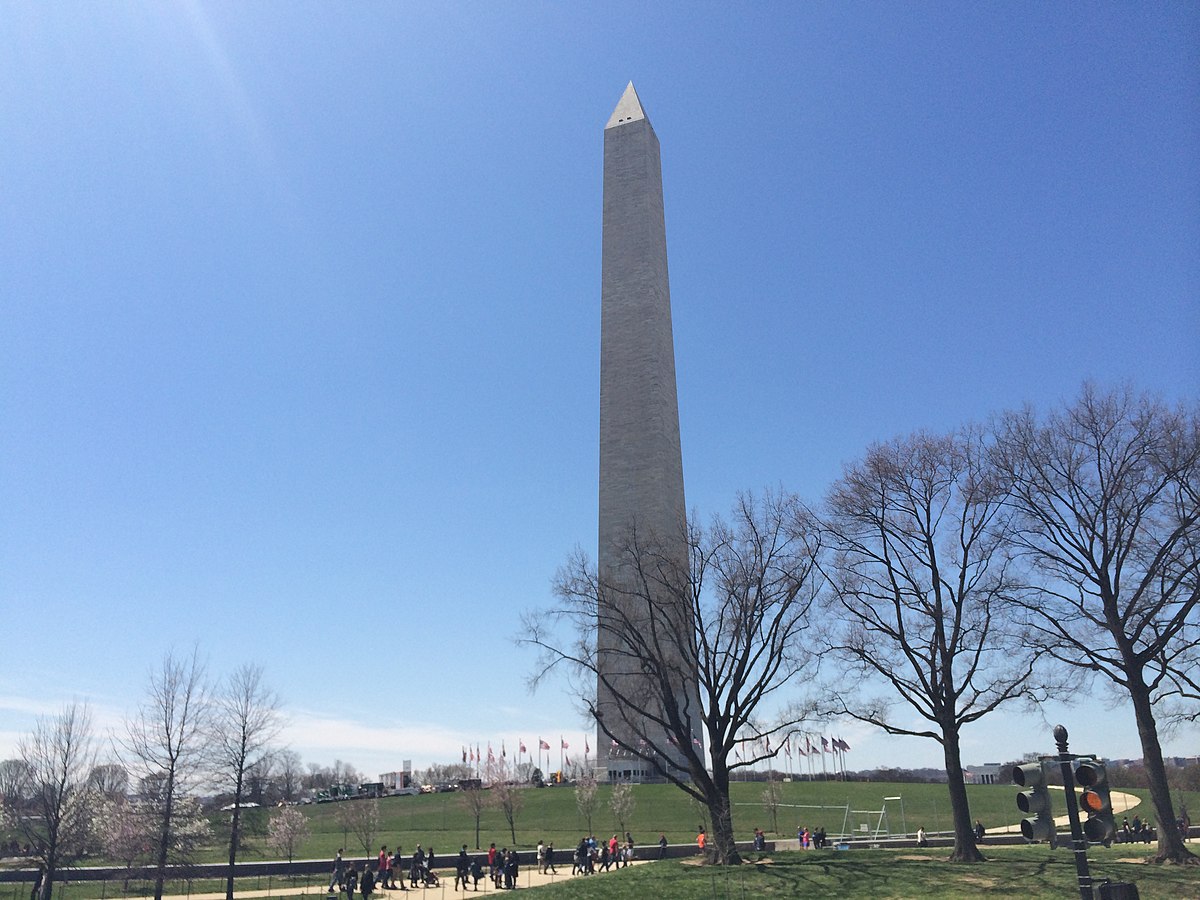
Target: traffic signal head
{"x":1095,"y":800}
{"x":1035,"y":802}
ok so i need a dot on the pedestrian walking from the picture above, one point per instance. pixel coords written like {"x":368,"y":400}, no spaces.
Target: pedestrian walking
{"x":339,"y":871}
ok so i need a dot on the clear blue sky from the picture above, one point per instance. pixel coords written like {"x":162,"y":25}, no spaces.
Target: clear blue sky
{"x":299,"y":311}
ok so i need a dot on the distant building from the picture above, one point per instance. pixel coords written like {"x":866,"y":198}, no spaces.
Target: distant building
{"x":988,"y":773}
{"x":394,"y":781}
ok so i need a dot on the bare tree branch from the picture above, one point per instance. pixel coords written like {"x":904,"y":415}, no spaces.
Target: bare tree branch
{"x":924,"y":584}
{"x":711,"y":639}
{"x":1109,"y":519}
{"x":166,"y":744}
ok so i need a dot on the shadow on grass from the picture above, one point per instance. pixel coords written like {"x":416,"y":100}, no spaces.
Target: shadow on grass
{"x":1033,"y":872}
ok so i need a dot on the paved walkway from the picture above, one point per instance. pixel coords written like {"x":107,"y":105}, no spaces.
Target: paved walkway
{"x":529,"y":878}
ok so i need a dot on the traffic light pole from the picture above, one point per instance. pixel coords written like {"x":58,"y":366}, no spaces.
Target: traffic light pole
{"x":1078,"y":841}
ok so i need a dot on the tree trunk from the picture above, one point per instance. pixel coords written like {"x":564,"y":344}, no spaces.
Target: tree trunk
{"x":164,"y":838}
{"x":47,"y":888}
{"x":720,"y":848}
{"x":965,"y":848}
{"x":1170,"y":842}
{"x":233,"y":834}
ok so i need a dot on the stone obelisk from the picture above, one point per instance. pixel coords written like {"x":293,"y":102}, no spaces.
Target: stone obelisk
{"x":641,"y":465}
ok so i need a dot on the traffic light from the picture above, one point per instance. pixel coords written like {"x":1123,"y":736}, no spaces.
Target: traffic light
{"x":1100,"y":826}
{"x":1035,"y":802}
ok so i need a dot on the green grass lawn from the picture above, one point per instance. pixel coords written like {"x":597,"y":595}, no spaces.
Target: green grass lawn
{"x":1015,"y":872}
{"x":551,"y":814}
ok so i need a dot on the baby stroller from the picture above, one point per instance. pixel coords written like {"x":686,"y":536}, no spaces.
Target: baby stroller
{"x":428,"y":877}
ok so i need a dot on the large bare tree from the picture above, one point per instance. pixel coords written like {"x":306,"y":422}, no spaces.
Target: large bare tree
{"x":57,"y":820}
{"x":923,"y":582}
{"x":166,"y":743}
{"x":735,"y":614}
{"x":111,"y":780}
{"x":289,"y":774}
{"x":1107,"y":493}
{"x":244,"y":724}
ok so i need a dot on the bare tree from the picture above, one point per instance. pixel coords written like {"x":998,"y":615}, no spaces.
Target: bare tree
{"x":111,"y":780}
{"x":1107,"y":493}
{"x":586,"y":797}
{"x":504,"y":793}
{"x":474,"y":800}
{"x":58,"y":820}
{"x":924,"y":586}
{"x":319,"y":777}
{"x":289,"y":774}
{"x":622,"y":803}
{"x":244,"y":723}
{"x":360,"y":818}
{"x":287,"y":831}
{"x":772,"y":796}
{"x":16,"y":785}
{"x":345,"y":773}
{"x":259,"y":783}
{"x":733,"y":617}
{"x":447,"y":773}
{"x":166,"y":742}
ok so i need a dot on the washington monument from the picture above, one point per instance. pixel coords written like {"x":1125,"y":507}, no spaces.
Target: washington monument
{"x":641,"y":465}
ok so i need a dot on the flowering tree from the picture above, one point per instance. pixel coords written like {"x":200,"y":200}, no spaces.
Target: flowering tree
{"x":287,"y":830}
{"x":585,"y":797}
{"x":622,"y":803}
{"x":127,"y":829}
{"x":505,"y":795}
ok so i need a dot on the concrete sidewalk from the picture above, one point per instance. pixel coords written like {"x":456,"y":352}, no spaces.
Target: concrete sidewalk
{"x":529,"y":878}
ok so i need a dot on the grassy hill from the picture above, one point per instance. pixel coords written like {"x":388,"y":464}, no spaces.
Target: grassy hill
{"x":551,"y":814}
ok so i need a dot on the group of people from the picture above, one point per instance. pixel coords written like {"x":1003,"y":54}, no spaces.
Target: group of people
{"x":592,"y":856}
{"x":389,"y":872}
{"x":1137,"y":830}
{"x":503,"y":867}
{"x":386,"y":874}
{"x":812,"y":839}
